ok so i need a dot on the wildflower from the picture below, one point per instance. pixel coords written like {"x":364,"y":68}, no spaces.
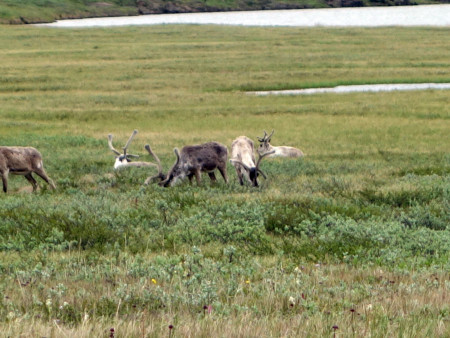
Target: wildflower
{"x":11,"y":315}
{"x":368,"y":307}
{"x":291,"y":301}
{"x":247,"y":282}
{"x":154,"y":281}
{"x":335,"y":327}
{"x":48,"y":302}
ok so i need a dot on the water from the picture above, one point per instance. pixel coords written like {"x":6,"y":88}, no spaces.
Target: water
{"x":430,"y":15}
{"x":356,"y":89}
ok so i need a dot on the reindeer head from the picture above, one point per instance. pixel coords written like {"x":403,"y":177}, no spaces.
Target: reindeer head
{"x":177,"y":172}
{"x":254,"y":172}
{"x":122,"y":159}
{"x":264,"y":143}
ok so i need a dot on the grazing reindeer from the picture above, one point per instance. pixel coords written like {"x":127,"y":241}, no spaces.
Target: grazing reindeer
{"x":282,"y":151}
{"x":196,"y":159}
{"x":124,"y":160}
{"x":243,"y":159}
{"x":22,"y":161}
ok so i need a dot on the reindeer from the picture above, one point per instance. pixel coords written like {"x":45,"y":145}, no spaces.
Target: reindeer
{"x":123,"y":160}
{"x":243,"y":159}
{"x":282,"y":151}
{"x":196,"y":159}
{"x":22,"y":161}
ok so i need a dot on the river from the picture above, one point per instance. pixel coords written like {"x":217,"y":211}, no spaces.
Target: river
{"x":425,"y":15}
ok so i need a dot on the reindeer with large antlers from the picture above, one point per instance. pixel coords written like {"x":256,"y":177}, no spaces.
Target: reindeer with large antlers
{"x":282,"y":151}
{"x":243,"y":159}
{"x":124,"y":159}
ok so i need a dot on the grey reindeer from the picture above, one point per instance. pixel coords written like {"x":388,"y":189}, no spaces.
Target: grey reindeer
{"x":195,"y":159}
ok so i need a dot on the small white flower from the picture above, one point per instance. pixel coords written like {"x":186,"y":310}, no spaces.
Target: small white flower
{"x":11,"y":315}
{"x":48,"y":302}
{"x":368,"y":307}
{"x":64,"y":305}
{"x":292,"y":300}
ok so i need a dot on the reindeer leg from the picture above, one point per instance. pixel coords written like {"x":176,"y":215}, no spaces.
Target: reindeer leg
{"x":212,"y":176}
{"x":31,"y":179}
{"x":239,"y":174}
{"x":5,"y":180}
{"x":190,"y":178}
{"x":41,"y":173}
{"x":223,"y":171}
{"x":198,"y":177}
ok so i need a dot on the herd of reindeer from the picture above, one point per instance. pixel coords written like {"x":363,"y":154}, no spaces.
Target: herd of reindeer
{"x":191,"y":161}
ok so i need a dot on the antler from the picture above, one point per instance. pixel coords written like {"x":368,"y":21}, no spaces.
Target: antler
{"x":270,"y":136}
{"x":128,"y":143}
{"x":241,"y":163}
{"x":160,"y":175}
{"x":118,"y":153}
{"x":265,"y":138}
{"x":110,"y":138}
{"x":166,"y":180}
{"x":259,"y":161}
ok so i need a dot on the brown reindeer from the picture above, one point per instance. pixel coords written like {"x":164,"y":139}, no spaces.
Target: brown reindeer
{"x":243,"y":159}
{"x":22,"y":161}
{"x":195,"y":159}
{"x":282,"y":151}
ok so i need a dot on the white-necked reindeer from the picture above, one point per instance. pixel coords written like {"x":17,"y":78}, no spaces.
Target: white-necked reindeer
{"x":282,"y":151}
{"x":243,"y":159}
{"x":124,"y":160}
{"x":195,"y":159}
{"x":22,"y":161}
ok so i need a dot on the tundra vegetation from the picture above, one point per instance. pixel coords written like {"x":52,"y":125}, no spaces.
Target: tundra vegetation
{"x":355,"y":235}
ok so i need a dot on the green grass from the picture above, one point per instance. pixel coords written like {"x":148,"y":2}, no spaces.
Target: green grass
{"x":361,"y":222}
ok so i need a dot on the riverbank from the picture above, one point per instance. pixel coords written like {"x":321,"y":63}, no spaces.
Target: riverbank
{"x":34,"y":11}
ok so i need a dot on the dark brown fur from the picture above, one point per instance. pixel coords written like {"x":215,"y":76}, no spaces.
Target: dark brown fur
{"x":193,"y":160}
{"x":22,"y":161}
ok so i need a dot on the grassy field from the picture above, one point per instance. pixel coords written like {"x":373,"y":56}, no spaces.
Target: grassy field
{"x":355,"y":235}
